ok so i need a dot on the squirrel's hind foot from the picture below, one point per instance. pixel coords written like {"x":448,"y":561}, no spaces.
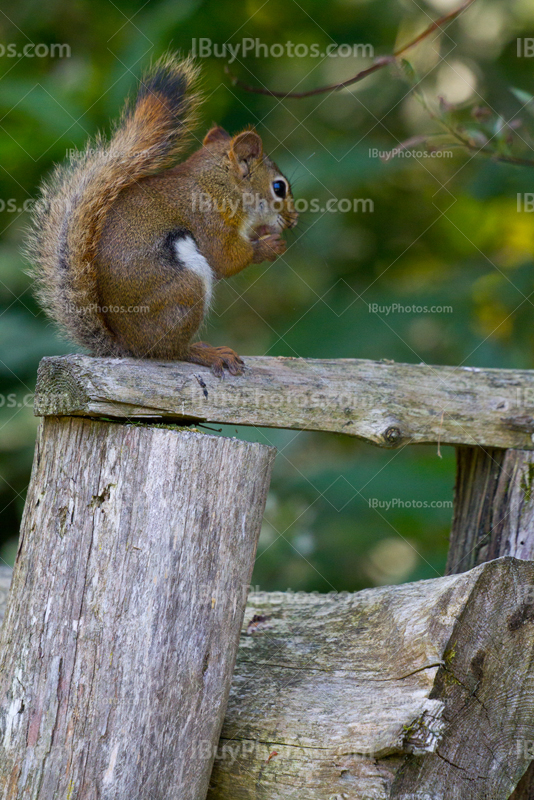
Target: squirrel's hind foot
{"x":215,"y":357}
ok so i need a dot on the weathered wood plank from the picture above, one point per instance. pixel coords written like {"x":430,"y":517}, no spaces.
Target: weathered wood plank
{"x":377,"y":695}
{"x":384,"y":403}
{"x":120,"y":635}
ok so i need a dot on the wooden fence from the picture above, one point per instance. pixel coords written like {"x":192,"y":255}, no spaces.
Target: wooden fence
{"x":127,"y":609}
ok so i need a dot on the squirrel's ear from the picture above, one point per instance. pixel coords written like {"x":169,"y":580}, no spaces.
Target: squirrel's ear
{"x":246,"y":147}
{"x":216,"y":134}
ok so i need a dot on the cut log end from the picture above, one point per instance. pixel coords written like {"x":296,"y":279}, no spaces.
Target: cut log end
{"x":377,"y":694}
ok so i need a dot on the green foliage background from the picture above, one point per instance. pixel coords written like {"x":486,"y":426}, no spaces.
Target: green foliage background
{"x":444,"y":231}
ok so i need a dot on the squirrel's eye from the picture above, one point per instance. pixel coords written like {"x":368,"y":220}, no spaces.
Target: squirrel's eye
{"x":280,"y":188}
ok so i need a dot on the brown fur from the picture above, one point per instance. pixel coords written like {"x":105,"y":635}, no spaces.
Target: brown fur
{"x":102,"y":233}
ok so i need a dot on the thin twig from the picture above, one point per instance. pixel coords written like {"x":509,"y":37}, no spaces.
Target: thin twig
{"x":463,"y":141}
{"x":378,"y":64}
{"x":484,"y":151}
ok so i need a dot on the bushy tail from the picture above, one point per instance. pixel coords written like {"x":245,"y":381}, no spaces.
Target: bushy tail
{"x":70,"y":215}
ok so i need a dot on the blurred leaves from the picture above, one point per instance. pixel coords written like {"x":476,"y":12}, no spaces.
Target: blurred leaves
{"x":444,"y":232}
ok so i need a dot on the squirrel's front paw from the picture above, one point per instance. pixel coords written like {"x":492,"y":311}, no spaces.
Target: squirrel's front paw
{"x":268,"y":247}
{"x":216,"y":357}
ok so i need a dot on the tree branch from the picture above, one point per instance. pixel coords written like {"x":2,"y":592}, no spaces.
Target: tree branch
{"x":379,"y":63}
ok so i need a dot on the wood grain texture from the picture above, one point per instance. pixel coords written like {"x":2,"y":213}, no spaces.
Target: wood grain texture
{"x":384,"y":403}
{"x":493,"y":507}
{"x":315,"y":714}
{"x":415,"y":691}
{"x":477,"y":476}
{"x":5,"y":582}
{"x":493,"y":517}
{"x":119,"y":639}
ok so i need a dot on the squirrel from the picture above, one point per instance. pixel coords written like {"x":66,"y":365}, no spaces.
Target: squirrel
{"x":126,"y":243}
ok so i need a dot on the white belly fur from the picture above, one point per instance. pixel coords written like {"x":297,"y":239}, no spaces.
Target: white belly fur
{"x":192,"y":259}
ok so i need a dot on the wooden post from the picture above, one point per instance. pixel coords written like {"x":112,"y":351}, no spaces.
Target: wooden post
{"x":493,"y":508}
{"x":494,"y":516}
{"x":121,"y":631}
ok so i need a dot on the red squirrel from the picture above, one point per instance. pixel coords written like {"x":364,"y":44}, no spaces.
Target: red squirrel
{"x":126,"y":243}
